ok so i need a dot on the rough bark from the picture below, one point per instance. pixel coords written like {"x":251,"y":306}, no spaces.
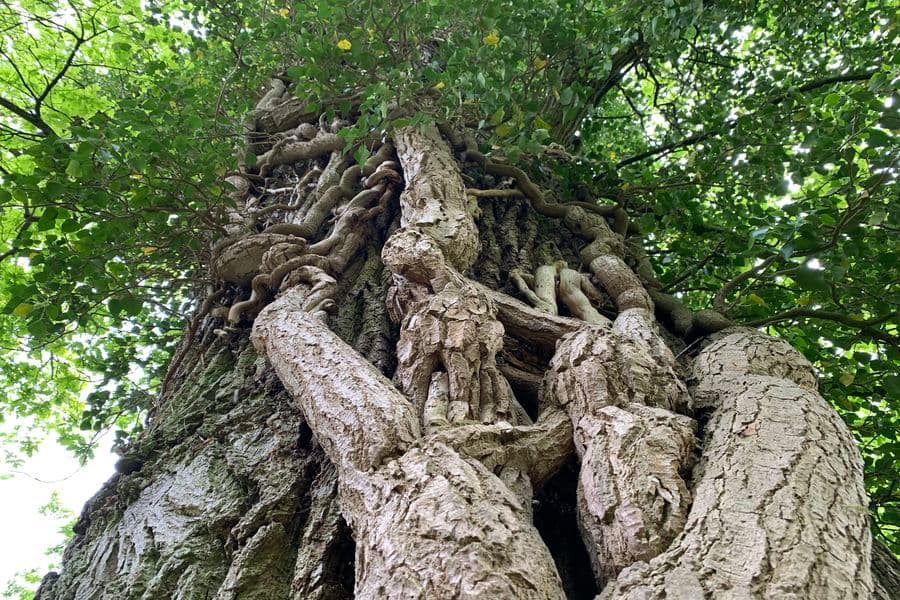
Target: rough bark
{"x":632,"y":499}
{"x":476,"y":445}
{"x":779,"y":509}
{"x":885,"y":573}
{"x":429,"y":518}
{"x":224,"y":497}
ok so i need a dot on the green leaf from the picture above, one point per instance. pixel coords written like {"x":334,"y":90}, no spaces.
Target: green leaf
{"x":811,"y":279}
{"x":892,"y":385}
{"x":833,"y":99}
{"x":69,"y":226}
{"x":361,"y":155}
{"x":74,"y":168}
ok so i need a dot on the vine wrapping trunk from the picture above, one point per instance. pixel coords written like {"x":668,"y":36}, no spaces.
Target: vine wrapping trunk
{"x":403,"y":268}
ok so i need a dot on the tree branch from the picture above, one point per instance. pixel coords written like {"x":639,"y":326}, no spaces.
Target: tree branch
{"x":868,"y":327}
{"x":26,"y":223}
{"x":28,"y":117}
{"x":620,"y":64}
{"x":59,"y":75}
{"x":732,"y":123}
{"x":691,"y":270}
{"x":722,"y":294}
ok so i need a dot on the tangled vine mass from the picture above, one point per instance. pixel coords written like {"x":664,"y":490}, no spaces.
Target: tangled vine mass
{"x":438,"y":467}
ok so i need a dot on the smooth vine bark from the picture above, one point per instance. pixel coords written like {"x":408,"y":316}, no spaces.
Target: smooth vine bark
{"x":426,"y":380}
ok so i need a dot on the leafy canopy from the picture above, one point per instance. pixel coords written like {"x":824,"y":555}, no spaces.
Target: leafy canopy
{"x":754,"y":146}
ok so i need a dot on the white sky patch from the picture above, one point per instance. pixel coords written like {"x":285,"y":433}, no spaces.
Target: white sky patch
{"x":25,"y":534}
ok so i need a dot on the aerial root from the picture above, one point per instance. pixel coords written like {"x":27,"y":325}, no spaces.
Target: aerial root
{"x":620,"y":391}
{"x":581,"y":218}
{"x":543,"y":302}
{"x":281,"y":249}
{"x":495,"y":193}
{"x":773,"y":448}
{"x":293,"y":149}
{"x":632,"y":500}
{"x":278,"y":275}
{"x":383,"y":154}
{"x":332,"y":197}
{"x":260,"y":291}
{"x":572,"y":287}
{"x":437,"y":412}
{"x":388,"y":169}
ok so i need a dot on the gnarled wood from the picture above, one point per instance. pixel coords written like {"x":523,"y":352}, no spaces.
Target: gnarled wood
{"x":779,"y":506}
{"x":428,"y":521}
{"x":619,"y":393}
{"x":435,"y":475}
{"x":435,"y":198}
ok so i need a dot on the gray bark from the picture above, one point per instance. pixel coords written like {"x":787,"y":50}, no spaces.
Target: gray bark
{"x":222,"y":500}
{"x":779,"y":508}
{"x":542,"y":451}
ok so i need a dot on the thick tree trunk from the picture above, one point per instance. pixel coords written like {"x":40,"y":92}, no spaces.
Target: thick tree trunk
{"x":226,"y":495}
{"x":403,"y":427}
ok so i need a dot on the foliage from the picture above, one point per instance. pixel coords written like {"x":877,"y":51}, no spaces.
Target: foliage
{"x":110,"y":163}
{"x":23,"y":585}
{"x":753,"y":144}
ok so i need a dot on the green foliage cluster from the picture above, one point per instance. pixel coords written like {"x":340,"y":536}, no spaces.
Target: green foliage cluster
{"x":754,"y":145}
{"x":111,"y":154}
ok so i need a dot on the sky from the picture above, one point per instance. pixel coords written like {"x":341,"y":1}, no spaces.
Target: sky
{"x":25,"y":534}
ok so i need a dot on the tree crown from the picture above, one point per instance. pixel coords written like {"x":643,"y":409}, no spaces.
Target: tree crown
{"x":752,"y":145}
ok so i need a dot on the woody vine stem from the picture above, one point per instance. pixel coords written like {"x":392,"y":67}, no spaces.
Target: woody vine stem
{"x":437,"y":468}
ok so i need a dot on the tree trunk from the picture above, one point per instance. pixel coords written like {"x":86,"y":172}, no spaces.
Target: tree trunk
{"x":385,"y":418}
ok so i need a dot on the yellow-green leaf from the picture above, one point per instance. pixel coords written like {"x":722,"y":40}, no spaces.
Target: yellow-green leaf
{"x":23,"y":310}
{"x":491,"y":39}
{"x":73,"y":169}
{"x":757,"y":300}
{"x":539,"y":123}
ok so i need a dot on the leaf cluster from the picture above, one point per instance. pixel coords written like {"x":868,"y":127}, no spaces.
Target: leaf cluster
{"x":753,"y":145}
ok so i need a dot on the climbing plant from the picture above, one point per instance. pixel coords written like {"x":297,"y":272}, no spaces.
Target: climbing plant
{"x":753,"y":147}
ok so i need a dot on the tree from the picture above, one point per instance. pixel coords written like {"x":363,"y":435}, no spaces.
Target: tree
{"x":500,"y":301}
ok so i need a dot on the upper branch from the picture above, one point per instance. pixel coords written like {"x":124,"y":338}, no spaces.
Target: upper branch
{"x":867,"y":327}
{"x":31,"y":118}
{"x":620,"y":64}
{"x":730,"y":124}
